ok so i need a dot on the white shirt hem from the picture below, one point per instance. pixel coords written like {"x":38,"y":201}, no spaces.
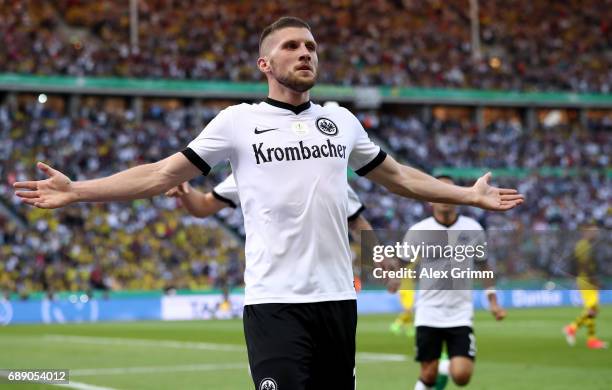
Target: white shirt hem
{"x":345,"y":296}
{"x":442,"y":325}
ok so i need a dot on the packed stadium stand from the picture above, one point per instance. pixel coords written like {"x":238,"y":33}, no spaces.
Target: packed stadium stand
{"x":525,"y":45}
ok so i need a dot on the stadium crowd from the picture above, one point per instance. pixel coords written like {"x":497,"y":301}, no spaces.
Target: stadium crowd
{"x":132,"y":245}
{"x":153,"y":244}
{"x":525,"y":45}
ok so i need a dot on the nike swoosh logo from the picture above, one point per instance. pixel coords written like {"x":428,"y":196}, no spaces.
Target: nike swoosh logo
{"x":260,"y":131}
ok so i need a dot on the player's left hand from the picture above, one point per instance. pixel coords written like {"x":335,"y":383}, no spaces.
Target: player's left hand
{"x":493,"y":198}
{"x":498,"y":312}
{"x":179,"y":191}
{"x":393,"y":284}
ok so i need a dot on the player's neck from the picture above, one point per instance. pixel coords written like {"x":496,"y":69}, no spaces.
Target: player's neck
{"x":283,"y":94}
{"x":446,"y":219}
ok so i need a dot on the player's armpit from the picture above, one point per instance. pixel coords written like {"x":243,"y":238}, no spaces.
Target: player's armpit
{"x":175,"y":170}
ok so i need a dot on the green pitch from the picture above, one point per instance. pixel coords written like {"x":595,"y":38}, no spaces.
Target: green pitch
{"x":526,"y":351}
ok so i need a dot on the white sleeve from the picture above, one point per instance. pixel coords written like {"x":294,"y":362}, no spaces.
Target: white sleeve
{"x":355,"y":207}
{"x":214,"y":143}
{"x":365,"y":155}
{"x":227,"y":192}
{"x":475,"y":236}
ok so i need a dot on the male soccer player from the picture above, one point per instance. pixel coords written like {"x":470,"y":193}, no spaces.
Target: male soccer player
{"x":587,"y":284}
{"x":444,"y":317}
{"x":289,"y":158}
{"x":403,"y":324}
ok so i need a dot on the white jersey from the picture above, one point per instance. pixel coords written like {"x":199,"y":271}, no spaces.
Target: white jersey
{"x":290,"y":164}
{"x":227,"y":192}
{"x":444,"y":308}
{"x":354,"y":207}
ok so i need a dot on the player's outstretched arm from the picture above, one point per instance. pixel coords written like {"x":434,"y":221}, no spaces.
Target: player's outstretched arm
{"x":197,"y":203}
{"x":412,"y":183}
{"x":143,"y":181}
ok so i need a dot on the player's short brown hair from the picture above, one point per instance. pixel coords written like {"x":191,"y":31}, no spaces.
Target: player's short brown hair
{"x":281,"y":23}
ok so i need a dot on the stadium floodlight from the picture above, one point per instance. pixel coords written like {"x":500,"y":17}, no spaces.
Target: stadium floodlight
{"x":552,"y":119}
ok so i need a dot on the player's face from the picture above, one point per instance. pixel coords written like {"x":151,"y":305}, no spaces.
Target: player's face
{"x":443,"y":207}
{"x":292,"y":58}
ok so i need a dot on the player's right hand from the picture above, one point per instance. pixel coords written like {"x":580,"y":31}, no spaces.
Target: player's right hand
{"x":498,"y":313}
{"x":179,"y":191}
{"x":492,"y":198}
{"x":51,"y":193}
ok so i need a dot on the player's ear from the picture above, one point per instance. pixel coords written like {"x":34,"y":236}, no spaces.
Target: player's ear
{"x":263,"y":64}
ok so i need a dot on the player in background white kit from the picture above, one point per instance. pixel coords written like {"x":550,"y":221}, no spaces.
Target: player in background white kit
{"x":445,"y":316}
{"x":289,"y":157}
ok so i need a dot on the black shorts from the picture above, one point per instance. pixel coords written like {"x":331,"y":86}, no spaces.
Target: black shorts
{"x":302,"y":346}
{"x":460,"y":341}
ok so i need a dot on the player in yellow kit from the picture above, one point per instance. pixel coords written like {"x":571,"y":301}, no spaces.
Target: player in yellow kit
{"x":403,"y":323}
{"x":586,"y":283}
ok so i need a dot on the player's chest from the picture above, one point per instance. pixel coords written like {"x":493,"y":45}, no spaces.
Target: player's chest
{"x":267,"y":140}
{"x":293,"y":129}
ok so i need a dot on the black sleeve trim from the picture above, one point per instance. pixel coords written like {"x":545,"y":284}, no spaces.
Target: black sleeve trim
{"x":196,"y":160}
{"x":356,"y":214}
{"x":380,"y":157}
{"x":224,"y":199}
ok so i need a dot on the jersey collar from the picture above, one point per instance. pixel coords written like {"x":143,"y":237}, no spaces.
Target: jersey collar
{"x":295,"y":109}
{"x":445,"y":225}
